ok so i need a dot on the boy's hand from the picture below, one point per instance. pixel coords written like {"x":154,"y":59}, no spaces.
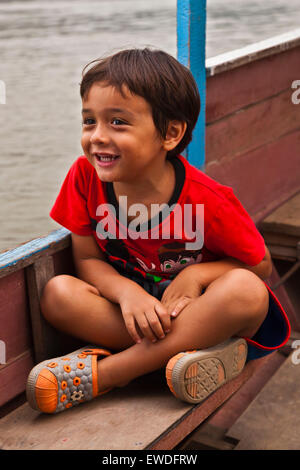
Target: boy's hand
{"x":181,"y":291}
{"x":143,"y":310}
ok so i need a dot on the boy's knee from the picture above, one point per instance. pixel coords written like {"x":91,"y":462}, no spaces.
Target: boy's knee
{"x":62,"y":291}
{"x":54,"y":292}
{"x":247,"y":291}
{"x":55,"y":285}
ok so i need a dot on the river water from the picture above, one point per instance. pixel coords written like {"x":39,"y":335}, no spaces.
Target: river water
{"x":43,"y":48}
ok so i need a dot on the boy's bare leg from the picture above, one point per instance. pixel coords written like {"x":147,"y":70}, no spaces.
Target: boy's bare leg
{"x":75,"y":307}
{"x":233,"y":305}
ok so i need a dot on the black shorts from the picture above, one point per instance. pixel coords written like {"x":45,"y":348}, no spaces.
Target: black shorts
{"x":272,"y":334}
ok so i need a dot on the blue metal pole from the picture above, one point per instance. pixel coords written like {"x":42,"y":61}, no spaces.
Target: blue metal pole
{"x":191,"y":35}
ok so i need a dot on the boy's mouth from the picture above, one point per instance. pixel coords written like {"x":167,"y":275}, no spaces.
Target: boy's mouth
{"x":105,"y":159}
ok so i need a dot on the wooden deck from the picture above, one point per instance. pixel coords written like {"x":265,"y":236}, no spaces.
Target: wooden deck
{"x":143,"y":415}
{"x":281,"y":230}
{"x":272,"y":421}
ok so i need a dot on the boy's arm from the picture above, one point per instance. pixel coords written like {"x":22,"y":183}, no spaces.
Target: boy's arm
{"x":92,"y":267}
{"x":137,"y":306}
{"x":208,"y":272}
{"x":191,"y":281}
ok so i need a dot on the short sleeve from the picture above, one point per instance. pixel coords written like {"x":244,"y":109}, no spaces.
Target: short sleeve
{"x":233,"y":233}
{"x":70,"y":207}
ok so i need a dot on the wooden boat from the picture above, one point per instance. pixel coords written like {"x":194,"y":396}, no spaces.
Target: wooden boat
{"x":252,"y":130}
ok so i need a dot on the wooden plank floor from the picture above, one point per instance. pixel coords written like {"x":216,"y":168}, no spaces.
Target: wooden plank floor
{"x":281,"y":230}
{"x":112,"y":421}
{"x":272,"y":421}
{"x":285,"y":219}
{"x":143,"y":415}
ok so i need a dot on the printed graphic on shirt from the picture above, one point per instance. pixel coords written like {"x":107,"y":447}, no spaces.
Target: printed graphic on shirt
{"x":171,"y":259}
{"x":174,"y":257}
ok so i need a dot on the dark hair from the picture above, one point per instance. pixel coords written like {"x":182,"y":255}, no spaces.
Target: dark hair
{"x":167,"y":85}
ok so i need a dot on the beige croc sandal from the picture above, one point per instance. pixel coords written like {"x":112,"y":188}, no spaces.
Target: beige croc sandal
{"x":193,"y":375}
{"x":61,"y":383}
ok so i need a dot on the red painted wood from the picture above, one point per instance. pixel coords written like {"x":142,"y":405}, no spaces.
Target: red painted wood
{"x":252,"y":128}
{"x":15,"y":328}
{"x":230,"y":91}
{"x":13,"y":377}
{"x":264,"y":178}
{"x":63,"y":262}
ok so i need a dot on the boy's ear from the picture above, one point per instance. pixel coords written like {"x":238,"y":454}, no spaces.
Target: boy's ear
{"x":174,"y":134}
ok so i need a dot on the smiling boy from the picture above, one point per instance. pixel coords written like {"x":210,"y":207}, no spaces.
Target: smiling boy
{"x":151,"y":302}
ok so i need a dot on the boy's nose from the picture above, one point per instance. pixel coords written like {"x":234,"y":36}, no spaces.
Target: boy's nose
{"x":99,"y":135}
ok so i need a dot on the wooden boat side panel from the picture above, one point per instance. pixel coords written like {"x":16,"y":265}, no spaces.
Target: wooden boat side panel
{"x":265,"y":177}
{"x":63,"y":262}
{"x":251,"y":128}
{"x":15,"y":329}
{"x":238,"y":88}
{"x":13,"y":376}
{"x":26,"y":336}
{"x":15,"y":332}
{"x":48,"y":342}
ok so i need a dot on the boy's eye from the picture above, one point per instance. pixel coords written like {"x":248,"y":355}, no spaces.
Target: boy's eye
{"x":117,"y":122}
{"x":88,"y":121}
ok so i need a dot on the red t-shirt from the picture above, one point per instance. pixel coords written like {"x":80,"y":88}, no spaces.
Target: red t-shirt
{"x":205,"y":222}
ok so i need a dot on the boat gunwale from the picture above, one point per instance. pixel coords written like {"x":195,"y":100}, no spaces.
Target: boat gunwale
{"x":27,"y":253}
{"x":255,"y":51}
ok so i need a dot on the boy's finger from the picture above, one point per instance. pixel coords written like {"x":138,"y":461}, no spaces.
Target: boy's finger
{"x":155,"y":324}
{"x":145,"y":328}
{"x":164,"y":316}
{"x":131,"y":328}
{"x":179,"y":307}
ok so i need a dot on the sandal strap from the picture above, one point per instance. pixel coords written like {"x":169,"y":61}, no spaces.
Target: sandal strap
{"x":95,"y":351}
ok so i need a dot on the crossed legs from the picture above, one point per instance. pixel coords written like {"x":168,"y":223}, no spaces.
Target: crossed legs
{"x":235,"y":304}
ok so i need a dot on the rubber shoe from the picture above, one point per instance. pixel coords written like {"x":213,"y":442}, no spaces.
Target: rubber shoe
{"x":194,"y":375}
{"x":61,"y":383}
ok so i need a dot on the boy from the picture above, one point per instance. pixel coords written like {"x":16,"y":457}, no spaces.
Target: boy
{"x":146,"y":288}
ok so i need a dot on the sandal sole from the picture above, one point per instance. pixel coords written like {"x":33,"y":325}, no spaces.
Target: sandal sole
{"x":193,"y":376}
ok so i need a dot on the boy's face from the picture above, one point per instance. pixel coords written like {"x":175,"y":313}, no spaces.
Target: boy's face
{"x":119,"y":137}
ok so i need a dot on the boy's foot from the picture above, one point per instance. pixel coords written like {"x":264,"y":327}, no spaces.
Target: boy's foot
{"x":193,"y":375}
{"x":57,"y":384}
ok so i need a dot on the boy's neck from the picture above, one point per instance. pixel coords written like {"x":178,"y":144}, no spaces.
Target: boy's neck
{"x":152,"y":189}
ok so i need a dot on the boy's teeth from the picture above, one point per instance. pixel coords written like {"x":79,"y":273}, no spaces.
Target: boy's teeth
{"x":106,"y":158}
